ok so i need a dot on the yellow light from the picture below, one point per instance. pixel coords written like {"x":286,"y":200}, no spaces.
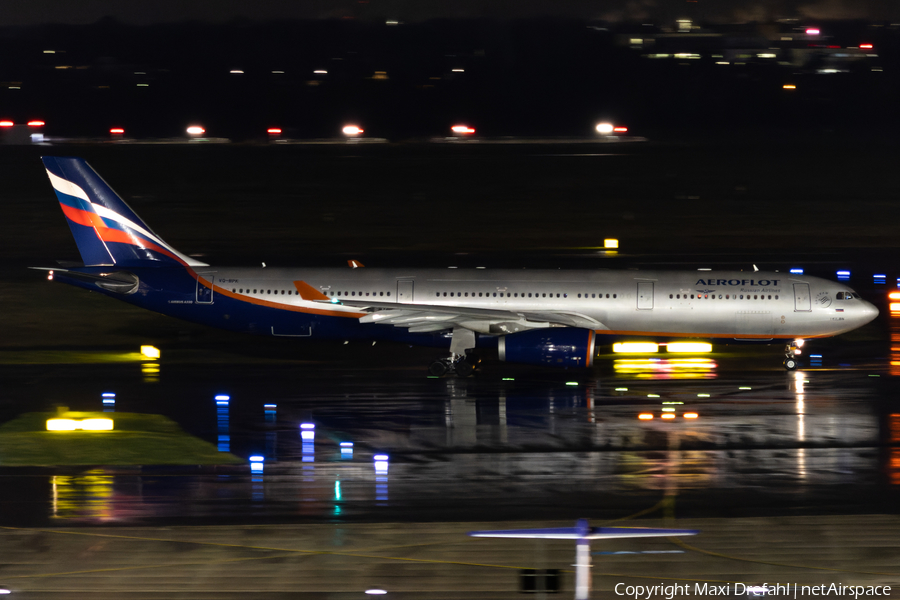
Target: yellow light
{"x":789,"y":86}
{"x":894,"y":296}
{"x":688,"y":347}
{"x":610,"y":243}
{"x":150,"y":351}
{"x":635,"y":348}
{"x":668,"y":409}
{"x":894,"y":306}
{"x":668,"y":416}
{"x":690,"y":415}
{"x":84,"y":425}
{"x":645,"y":416}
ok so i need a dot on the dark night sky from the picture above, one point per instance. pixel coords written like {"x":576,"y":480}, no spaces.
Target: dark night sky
{"x":162,"y":11}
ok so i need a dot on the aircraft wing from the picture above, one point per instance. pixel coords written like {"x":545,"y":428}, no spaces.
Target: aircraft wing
{"x":433,"y":317}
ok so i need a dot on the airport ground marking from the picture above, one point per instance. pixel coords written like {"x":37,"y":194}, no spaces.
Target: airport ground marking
{"x":290,"y":551}
{"x":678,"y":542}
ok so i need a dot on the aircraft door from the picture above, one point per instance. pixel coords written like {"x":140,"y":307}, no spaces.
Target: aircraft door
{"x":405,"y":291}
{"x":801,"y":297}
{"x":205,"y":287}
{"x":645,"y":295}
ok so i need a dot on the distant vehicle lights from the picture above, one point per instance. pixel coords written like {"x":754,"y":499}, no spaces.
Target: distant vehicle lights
{"x":352,"y":130}
{"x":116,"y":131}
{"x":6,"y":123}
{"x":274,"y":131}
{"x":462,"y":130}
{"x":604,"y":128}
{"x":813,"y":31}
{"x":36,"y":123}
{"x":195,"y":130}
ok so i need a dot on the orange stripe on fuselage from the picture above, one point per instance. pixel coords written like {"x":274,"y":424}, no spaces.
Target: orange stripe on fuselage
{"x":280,"y":305}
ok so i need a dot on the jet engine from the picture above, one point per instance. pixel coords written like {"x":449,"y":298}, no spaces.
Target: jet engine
{"x":554,"y":346}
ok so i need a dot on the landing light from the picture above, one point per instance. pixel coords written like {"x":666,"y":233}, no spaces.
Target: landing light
{"x":635,"y":347}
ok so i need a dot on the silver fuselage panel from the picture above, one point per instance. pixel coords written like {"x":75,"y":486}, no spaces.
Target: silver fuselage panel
{"x":727,"y":304}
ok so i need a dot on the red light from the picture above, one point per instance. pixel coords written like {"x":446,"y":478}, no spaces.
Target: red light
{"x":6,"y":123}
{"x":273,"y":130}
{"x":620,"y":129}
{"x":36,"y":123}
{"x":866,"y":46}
{"x":117,"y":130}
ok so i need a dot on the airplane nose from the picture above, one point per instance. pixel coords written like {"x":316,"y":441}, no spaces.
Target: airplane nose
{"x":868,"y":312}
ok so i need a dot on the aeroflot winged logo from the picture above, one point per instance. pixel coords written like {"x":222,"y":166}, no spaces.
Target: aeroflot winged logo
{"x":750,"y":282}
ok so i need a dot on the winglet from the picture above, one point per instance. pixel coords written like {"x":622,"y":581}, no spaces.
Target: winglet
{"x":355,"y":264}
{"x":308,"y":292}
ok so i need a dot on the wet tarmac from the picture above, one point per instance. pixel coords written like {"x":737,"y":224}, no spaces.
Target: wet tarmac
{"x":511,"y":443}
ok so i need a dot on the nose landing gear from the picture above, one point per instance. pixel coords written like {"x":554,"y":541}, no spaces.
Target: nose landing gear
{"x":791,"y":352}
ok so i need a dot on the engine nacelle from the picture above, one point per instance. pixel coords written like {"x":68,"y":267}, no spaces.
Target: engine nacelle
{"x":555,"y":347}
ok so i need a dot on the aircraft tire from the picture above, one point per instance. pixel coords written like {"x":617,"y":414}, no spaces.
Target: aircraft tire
{"x":438,"y":368}
{"x":790,"y":364}
{"x":464,"y":368}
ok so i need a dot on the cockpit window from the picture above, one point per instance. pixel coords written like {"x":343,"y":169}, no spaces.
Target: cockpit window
{"x":846,"y":296}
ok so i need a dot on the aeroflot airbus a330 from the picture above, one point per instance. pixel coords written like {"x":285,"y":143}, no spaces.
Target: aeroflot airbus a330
{"x":533,"y":317}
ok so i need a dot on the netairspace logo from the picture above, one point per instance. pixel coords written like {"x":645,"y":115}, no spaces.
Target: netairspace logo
{"x":649,"y":592}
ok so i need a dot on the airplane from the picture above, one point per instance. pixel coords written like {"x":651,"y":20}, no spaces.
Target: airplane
{"x":535,"y":317}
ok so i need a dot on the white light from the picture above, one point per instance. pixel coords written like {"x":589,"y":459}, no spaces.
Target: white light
{"x":150,"y":351}
{"x":635,"y":347}
{"x":674,"y":347}
{"x":320,"y":72}
{"x":462,"y":129}
{"x":236,"y":72}
{"x":257,"y":458}
{"x":604,"y":128}
{"x":195,"y":130}
{"x":376,"y":592}
{"x":610,"y":243}
{"x":307,"y":426}
{"x":812,"y":31}
{"x":223,"y":397}
{"x":351,"y":130}
{"x":307,"y":435}
{"x":380,"y":457}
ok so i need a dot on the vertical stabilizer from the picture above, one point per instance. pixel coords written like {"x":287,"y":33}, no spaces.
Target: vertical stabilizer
{"x":105,"y":228}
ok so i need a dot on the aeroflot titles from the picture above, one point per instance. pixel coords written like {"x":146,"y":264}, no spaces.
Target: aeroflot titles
{"x":751,"y":282}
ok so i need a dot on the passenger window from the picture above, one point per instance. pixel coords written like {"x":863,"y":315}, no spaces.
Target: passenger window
{"x":389,"y":293}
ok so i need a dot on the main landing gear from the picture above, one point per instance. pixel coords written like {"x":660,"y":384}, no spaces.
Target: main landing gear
{"x":461,"y":366}
{"x":791,"y":351}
